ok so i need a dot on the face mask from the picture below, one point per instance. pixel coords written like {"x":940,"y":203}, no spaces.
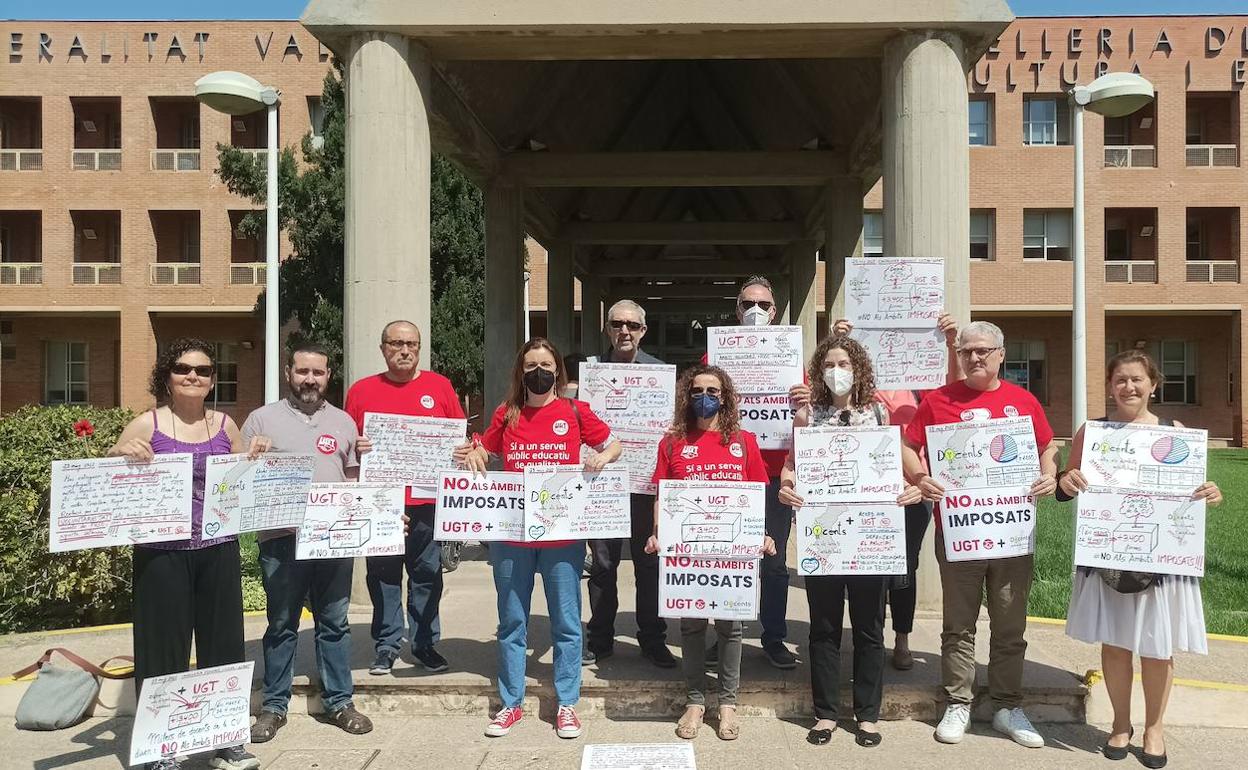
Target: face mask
{"x":755,"y":316}
{"x":838,"y":380}
{"x":705,"y":405}
{"x":539,"y":381}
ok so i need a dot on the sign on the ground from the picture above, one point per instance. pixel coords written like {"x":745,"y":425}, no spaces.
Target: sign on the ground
{"x":192,"y":712}
{"x":352,"y":520}
{"x":242,"y":495}
{"x":115,"y":501}
{"x":635,"y":756}
{"x":708,"y":587}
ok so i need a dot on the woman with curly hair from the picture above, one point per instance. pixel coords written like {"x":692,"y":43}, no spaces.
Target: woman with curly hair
{"x":705,"y":441}
{"x":190,"y":587}
{"x":842,"y":392}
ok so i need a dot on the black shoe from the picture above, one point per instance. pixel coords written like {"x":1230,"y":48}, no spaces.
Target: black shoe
{"x":431,"y":660}
{"x":659,"y":655}
{"x":819,"y":737}
{"x":712,"y":657}
{"x":864,"y":738}
{"x":266,"y":726}
{"x":590,"y":657}
{"x":383,"y":663}
{"x":779,"y":656}
{"x":234,"y":758}
{"x":1118,"y":752}
{"x":1153,"y":761}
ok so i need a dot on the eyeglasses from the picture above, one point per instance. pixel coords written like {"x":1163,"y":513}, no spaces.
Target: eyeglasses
{"x":184,"y":369}
{"x":977,"y":352}
{"x":632,"y":326}
{"x":746,"y":304}
{"x":400,"y":344}
{"x":707,"y":391}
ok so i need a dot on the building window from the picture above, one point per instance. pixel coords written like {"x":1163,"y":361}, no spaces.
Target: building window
{"x":982,"y":221}
{"x":873,"y":234}
{"x":1046,"y":120}
{"x":1196,"y":240}
{"x":1117,"y":131}
{"x":980,"y":122}
{"x":1178,"y":367}
{"x":226,"y":391}
{"x":1194,"y":126}
{"x":1024,"y":366}
{"x":1117,"y":242}
{"x":8,"y":342}
{"x":316,"y":115}
{"x":1046,"y":235}
{"x":65,"y":373}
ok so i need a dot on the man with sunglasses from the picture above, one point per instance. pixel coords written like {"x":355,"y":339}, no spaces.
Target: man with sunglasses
{"x":404,"y":388}
{"x":625,"y":326}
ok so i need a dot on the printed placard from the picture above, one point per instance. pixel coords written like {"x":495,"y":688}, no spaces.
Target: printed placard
{"x":988,"y":523}
{"x":842,"y":463}
{"x":638,"y":756}
{"x":635,"y":397}
{"x":1152,"y":458}
{"x":988,"y":454}
{"x":716,"y":588}
{"x":893,"y":292}
{"x":473,"y":507}
{"x":109,"y":501}
{"x":566,"y":502}
{"x":851,"y":539}
{"x":905,"y":359}
{"x":242,"y":495}
{"x":759,"y":359}
{"x":192,"y":712}
{"x":711,"y":518}
{"x":639,"y":453}
{"x":1140,"y":532}
{"x":769,"y":418}
{"x":408,"y":450}
{"x":352,"y":520}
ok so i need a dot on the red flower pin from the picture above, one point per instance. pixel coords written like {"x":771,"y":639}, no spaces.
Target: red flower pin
{"x":84,"y":428}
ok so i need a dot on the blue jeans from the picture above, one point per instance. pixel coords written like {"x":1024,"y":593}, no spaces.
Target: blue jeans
{"x":286,"y":583}
{"x":422,"y":559}
{"x":773,"y":596}
{"x":515,"y":569}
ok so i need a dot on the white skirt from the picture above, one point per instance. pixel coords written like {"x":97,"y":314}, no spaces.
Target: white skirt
{"x":1153,"y":623}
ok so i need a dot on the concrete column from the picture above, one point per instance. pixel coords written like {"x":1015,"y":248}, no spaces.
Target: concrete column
{"x":387,"y":190}
{"x":842,"y":217}
{"x":782,"y":291}
{"x":504,"y":285}
{"x":592,"y":341}
{"x":1239,"y":417}
{"x":803,"y":301}
{"x":560,"y":256}
{"x":138,"y":350}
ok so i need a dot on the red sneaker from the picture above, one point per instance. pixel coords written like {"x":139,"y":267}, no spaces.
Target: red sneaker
{"x":503,"y":721}
{"x":566,"y":723}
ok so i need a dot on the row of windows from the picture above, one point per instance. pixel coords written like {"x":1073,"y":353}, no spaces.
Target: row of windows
{"x":67,"y":375}
{"x":1026,"y":365}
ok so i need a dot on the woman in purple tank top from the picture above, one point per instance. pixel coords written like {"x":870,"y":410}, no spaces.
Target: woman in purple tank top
{"x":189,"y":587}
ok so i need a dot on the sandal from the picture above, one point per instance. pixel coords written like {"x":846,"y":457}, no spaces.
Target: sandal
{"x":351,"y":721}
{"x":687,"y":727}
{"x":729,"y":727}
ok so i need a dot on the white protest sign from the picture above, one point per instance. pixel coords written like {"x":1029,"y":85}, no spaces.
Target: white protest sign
{"x":711,"y":518}
{"x":769,"y":418}
{"x":409,"y":451}
{"x":114,"y":501}
{"x":986,"y":454}
{"x":352,"y":520}
{"x":710,"y":587}
{"x":851,"y":539}
{"x":842,"y":463}
{"x":630,"y":396}
{"x":893,"y":292}
{"x":988,"y":523}
{"x":905,"y":359}
{"x":269,"y":492}
{"x":759,"y":359}
{"x":192,"y":712}
{"x":638,"y":756}
{"x":485,"y":508}
{"x":1140,"y":532}
{"x":639,"y":453}
{"x":1151,"y":458}
{"x":566,"y":502}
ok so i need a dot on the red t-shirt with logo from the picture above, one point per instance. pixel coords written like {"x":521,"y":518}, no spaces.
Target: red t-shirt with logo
{"x":428,"y":395}
{"x":703,"y":455}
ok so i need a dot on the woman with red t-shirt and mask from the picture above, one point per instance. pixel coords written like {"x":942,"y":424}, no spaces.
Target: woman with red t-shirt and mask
{"x":535,"y":425}
{"x":706,"y":442}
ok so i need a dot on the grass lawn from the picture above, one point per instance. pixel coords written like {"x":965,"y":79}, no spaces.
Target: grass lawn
{"x":1225,"y":585}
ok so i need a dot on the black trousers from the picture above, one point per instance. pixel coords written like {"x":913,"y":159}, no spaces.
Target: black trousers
{"x":902,"y":600}
{"x":604,"y":596}
{"x":826,"y":596}
{"x":180,"y":593}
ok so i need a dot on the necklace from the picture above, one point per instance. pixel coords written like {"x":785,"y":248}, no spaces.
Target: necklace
{"x":173,"y":421}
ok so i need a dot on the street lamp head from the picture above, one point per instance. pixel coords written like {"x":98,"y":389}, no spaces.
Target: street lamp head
{"x":1115,"y":94}
{"x":234,"y":93}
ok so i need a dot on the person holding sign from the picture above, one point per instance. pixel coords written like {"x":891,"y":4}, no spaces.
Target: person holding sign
{"x":193,"y":587}
{"x":1145,"y":614}
{"x":404,"y":388}
{"x":706,"y":442}
{"x":983,"y":395}
{"x":843,"y":393}
{"x":536,"y":426}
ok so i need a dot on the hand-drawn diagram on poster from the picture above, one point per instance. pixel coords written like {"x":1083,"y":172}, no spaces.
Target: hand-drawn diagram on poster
{"x":352,"y":520}
{"x":893,"y":292}
{"x":982,"y":455}
{"x":759,"y":359}
{"x":630,"y":396}
{"x":851,"y":539}
{"x":716,"y":588}
{"x":269,"y":492}
{"x":988,"y":523}
{"x":565,"y":502}
{"x":640,"y":452}
{"x":638,"y":756}
{"x":711,"y":518}
{"x":769,"y":418}
{"x":192,"y":712}
{"x":1152,"y":458}
{"x":485,"y":508}
{"x":409,"y":451}
{"x":1151,"y":532}
{"x":113,"y":501}
{"x":848,"y":463}
{"x":905,"y":359}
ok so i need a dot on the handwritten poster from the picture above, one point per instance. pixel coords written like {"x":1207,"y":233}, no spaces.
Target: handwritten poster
{"x":638,"y":756}
{"x":717,"y":588}
{"x":759,"y":359}
{"x":484,"y":508}
{"x":711,"y":518}
{"x":113,"y":501}
{"x":905,"y":359}
{"x":988,"y":523}
{"x":192,"y":712}
{"x":769,"y":418}
{"x":894,"y":292}
{"x":851,"y":539}
{"x":848,"y":463}
{"x":269,"y":492}
{"x":565,"y":502}
{"x":409,"y":451}
{"x":1152,"y":458}
{"x":637,"y":397}
{"x":987,"y":454}
{"x":352,"y":520}
{"x":1151,"y":532}
{"x":639,"y":453}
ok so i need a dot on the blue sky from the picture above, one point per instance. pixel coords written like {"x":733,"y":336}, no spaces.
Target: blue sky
{"x":289,"y":9}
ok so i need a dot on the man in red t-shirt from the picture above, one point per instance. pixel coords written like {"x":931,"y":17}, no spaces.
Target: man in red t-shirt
{"x":982,"y":396}
{"x":405,"y":389}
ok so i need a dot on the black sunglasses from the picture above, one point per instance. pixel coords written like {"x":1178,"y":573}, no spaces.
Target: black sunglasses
{"x":746,"y":304}
{"x":185,"y":369}
{"x":632,"y":326}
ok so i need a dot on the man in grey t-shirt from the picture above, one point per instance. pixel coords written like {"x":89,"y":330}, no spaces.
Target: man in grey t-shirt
{"x":305,"y":423}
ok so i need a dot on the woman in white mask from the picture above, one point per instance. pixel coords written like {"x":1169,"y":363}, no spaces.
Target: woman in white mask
{"x":842,"y":392}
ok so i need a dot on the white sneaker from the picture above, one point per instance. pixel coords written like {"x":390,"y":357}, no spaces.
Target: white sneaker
{"x":953,"y":726}
{"x":1014,"y":723}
